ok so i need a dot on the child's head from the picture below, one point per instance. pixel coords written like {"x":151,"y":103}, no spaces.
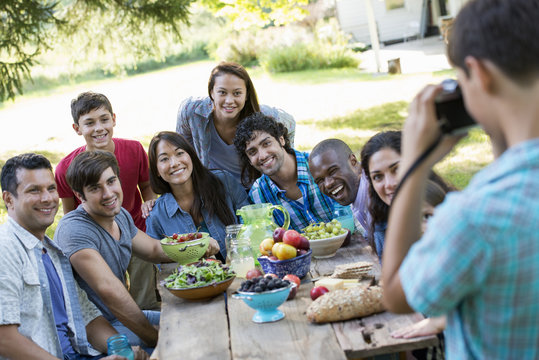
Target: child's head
{"x":94,"y":120}
{"x":88,"y":101}
{"x":434,"y":196}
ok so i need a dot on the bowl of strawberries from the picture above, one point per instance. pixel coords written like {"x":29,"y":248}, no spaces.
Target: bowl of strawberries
{"x":186,"y":248}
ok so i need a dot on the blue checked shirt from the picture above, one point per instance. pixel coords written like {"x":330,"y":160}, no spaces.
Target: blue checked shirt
{"x":26,"y":299}
{"x":316,"y":206}
{"x":478,"y":262}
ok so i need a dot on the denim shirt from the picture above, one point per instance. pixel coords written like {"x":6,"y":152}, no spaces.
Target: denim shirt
{"x":379,"y":238}
{"x":24,"y":290}
{"x":193,"y":122}
{"x":167,"y":217}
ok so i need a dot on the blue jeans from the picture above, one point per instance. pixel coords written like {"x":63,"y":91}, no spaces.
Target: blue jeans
{"x":152,"y":316}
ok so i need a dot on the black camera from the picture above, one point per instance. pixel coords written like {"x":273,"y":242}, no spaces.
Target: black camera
{"x":450,"y":109}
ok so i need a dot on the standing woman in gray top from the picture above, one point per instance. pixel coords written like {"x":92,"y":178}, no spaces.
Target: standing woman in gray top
{"x":209,"y":123}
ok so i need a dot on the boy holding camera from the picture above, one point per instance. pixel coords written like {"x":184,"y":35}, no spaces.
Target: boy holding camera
{"x":478,"y":261}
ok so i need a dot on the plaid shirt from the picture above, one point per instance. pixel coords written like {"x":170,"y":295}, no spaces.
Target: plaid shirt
{"x":316,"y":206}
{"x":478,"y":262}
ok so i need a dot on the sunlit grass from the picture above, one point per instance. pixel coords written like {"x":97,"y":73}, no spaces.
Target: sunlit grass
{"x":469,"y":156}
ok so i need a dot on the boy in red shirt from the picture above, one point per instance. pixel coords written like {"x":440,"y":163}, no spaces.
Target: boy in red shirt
{"x":94,"y":120}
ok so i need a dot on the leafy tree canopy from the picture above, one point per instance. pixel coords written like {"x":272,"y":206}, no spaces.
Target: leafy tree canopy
{"x":132,"y":29}
{"x":29,"y":27}
{"x":246,"y":13}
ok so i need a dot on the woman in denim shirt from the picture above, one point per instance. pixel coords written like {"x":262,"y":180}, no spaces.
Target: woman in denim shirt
{"x":380,"y":158}
{"x":192,"y":197}
{"x":209,"y":123}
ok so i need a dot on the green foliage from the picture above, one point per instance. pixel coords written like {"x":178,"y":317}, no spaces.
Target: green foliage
{"x":24,"y":27}
{"x":88,"y":28}
{"x":247,"y":13}
{"x":311,"y":56}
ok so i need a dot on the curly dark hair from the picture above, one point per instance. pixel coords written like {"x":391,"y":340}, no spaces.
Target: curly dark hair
{"x":209,"y":190}
{"x":246,"y":131}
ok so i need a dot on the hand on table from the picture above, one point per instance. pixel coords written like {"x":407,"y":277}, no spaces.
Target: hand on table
{"x":139,"y":353}
{"x":147,"y":207}
{"x":213,"y":248}
{"x":425,"y":327}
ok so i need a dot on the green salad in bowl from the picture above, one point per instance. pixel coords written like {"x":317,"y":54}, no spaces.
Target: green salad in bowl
{"x":202,"y":280}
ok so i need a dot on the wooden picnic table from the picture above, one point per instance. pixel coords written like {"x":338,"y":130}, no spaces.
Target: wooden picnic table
{"x":221,"y":328}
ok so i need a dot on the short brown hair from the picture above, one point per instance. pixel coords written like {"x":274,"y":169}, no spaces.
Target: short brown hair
{"x":86,"y":102}
{"x":87,"y":167}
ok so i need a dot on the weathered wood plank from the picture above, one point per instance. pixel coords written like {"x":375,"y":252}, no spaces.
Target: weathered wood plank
{"x":192,"y":329}
{"x":370,"y":336}
{"x":290,"y":338}
{"x":358,"y":250}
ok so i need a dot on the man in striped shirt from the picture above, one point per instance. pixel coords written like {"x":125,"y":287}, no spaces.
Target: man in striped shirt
{"x":263,"y":144}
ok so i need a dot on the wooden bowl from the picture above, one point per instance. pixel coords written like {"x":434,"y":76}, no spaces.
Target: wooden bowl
{"x":202,"y":292}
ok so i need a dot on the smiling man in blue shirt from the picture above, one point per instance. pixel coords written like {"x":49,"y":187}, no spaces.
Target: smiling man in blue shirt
{"x":478,"y":261}
{"x":43,"y":313}
{"x":263,"y":145}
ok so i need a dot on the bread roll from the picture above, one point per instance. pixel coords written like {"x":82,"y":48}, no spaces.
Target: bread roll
{"x":346,"y":304}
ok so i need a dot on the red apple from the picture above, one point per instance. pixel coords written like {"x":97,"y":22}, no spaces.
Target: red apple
{"x":292,"y":293}
{"x":292,"y":278}
{"x":273,"y":258}
{"x":251,"y":274}
{"x":318,"y":291}
{"x":304,"y":243}
{"x":301,"y":252}
{"x":291,"y":237}
{"x":278,"y":234}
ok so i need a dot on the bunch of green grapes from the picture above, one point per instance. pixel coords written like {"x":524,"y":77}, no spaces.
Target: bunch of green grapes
{"x":324,"y":230}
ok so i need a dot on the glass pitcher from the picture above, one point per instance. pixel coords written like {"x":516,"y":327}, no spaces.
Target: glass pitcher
{"x":258,"y":223}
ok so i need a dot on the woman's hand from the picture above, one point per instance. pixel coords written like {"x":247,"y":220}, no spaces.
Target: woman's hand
{"x":213,"y":248}
{"x":428,"y":326}
{"x":146,"y":207}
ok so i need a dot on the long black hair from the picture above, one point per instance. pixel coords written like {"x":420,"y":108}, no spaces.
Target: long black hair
{"x":378,"y":209}
{"x":209,"y":190}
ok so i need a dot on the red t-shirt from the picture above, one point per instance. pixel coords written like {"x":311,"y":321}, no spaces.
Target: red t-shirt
{"x":133,"y":163}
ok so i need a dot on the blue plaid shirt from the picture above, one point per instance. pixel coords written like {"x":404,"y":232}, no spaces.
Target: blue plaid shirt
{"x":478,"y":262}
{"x":316,"y":206}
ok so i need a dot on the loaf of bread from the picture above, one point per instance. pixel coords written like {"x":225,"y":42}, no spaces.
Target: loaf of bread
{"x":346,"y":304}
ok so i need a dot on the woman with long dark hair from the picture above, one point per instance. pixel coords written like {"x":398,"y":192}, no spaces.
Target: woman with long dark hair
{"x":209,"y":123}
{"x":380,"y":158}
{"x":192,"y":197}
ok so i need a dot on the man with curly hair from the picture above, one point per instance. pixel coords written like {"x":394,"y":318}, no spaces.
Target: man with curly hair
{"x":264,"y":148}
